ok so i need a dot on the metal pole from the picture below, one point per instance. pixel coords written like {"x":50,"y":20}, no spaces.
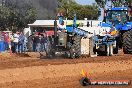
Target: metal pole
{"x":55,"y":28}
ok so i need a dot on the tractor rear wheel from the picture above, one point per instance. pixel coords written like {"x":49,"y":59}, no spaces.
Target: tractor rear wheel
{"x":76,"y":47}
{"x":127,"y":42}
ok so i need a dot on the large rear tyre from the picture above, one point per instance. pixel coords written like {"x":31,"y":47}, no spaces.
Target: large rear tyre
{"x":127,"y":42}
{"x":76,"y":47}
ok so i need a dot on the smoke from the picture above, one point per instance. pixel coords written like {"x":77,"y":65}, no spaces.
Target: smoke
{"x":46,"y":9}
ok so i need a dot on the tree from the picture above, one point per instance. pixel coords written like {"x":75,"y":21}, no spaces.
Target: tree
{"x":5,"y":14}
{"x":70,"y":7}
{"x":30,"y":15}
{"x":12,"y":19}
{"x":115,"y":3}
{"x":63,"y":6}
{"x":101,"y":3}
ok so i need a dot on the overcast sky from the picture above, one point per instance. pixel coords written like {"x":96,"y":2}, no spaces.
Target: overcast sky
{"x":85,"y":2}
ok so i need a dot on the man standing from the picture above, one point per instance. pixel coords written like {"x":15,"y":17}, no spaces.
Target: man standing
{"x":43,"y":42}
{"x":34,"y":39}
{"x":6,"y":40}
{"x":15,"y":41}
{"x":21,"y":43}
{"x":38,"y":42}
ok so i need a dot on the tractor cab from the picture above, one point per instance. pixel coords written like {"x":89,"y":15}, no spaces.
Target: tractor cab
{"x":117,"y":16}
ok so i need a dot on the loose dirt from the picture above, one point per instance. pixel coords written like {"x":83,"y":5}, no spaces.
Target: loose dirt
{"x":29,"y":71}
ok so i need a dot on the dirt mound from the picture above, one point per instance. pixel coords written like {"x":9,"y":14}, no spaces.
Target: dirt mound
{"x":6,"y":55}
{"x":22,"y":55}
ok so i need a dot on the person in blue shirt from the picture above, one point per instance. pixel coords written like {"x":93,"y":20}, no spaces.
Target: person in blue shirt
{"x":21,"y":43}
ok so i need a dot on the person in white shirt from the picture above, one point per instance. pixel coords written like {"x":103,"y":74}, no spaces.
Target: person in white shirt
{"x":15,"y":41}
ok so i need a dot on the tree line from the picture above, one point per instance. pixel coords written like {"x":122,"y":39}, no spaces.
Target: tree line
{"x":69,"y":7}
{"x":16,"y":19}
{"x":13,"y":17}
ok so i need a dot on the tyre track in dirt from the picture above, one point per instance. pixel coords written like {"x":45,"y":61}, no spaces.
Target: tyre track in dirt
{"x":62,"y":71}
{"x":20,"y":62}
{"x":32,"y":72}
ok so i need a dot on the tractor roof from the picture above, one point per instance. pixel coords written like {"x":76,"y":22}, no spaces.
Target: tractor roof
{"x":118,"y":8}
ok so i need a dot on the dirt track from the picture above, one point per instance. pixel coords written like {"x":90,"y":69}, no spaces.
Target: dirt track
{"x":28,"y":71}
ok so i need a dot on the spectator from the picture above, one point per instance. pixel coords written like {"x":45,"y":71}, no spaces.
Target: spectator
{"x":42,"y":42}
{"x":34,"y":42}
{"x":25,"y":44}
{"x":12,"y":43}
{"x":38,"y":38}
{"x":45,"y":41}
{"x":21,"y":42}
{"x":9,"y":42}
{"x":6,"y":40}
{"x":16,"y":40}
{"x":1,"y":42}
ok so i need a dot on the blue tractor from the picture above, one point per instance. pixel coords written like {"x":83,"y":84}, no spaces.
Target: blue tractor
{"x":65,"y":41}
{"x":120,"y":16}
